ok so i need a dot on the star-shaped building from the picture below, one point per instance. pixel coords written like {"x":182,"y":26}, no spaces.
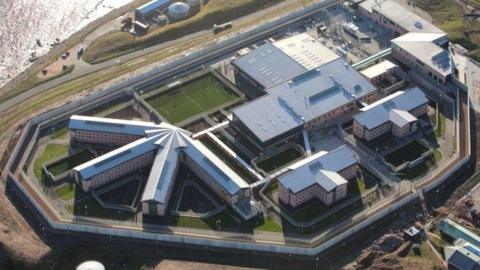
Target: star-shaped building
{"x":164,"y":147}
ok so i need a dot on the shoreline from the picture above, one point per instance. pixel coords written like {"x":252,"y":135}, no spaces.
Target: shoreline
{"x":54,"y":53}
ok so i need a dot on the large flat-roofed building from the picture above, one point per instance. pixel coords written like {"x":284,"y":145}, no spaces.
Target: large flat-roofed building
{"x":276,"y":62}
{"x":396,"y":113}
{"x":306,"y":101}
{"x":323,"y":176}
{"x":399,"y":19}
{"x":424,"y":53}
{"x":164,"y":147}
{"x":419,"y":44}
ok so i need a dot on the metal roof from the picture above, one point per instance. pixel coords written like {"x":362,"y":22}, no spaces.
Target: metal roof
{"x":268,"y":65}
{"x":152,"y":6}
{"x":321,"y":168}
{"x":306,"y":51}
{"x":394,"y":108}
{"x":378,"y":69}
{"x":109,"y":125}
{"x":168,"y":141}
{"x":456,"y":231}
{"x":303,"y":98}
{"x":463,"y":255}
{"x":426,"y":51}
{"x":273,"y":63}
{"x":404,"y":17}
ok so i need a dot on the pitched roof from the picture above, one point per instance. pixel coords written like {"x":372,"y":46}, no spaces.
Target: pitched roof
{"x":394,"y":108}
{"x":110,"y":125}
{"x":168,"y":141}
{"x":321,"y":169}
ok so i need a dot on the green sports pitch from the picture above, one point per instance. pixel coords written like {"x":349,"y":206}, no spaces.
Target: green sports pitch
{"x":191,"y":98}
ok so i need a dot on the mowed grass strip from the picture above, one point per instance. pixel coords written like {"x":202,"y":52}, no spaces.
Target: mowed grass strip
{"x":192,"y":98}
{"x":51,"y":152}
{"x":69,"y":162}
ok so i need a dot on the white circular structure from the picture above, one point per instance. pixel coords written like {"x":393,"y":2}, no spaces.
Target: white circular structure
{"x":179,"y":10}
{"x":91,"y":265}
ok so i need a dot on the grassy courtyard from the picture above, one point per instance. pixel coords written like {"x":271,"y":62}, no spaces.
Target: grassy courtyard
{"x":191,"y":98}
{"x":421,"y":169}
{"x":69,"y":162}
{"x":279,"y":160}
{"x":51,"y":152}
{"x":407,"y":153}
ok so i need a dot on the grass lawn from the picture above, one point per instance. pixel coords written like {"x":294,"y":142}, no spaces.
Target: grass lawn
{"x":66,"y":192}
{"x":269,"y":225}
{"x":448,"y":15}
{"x":409,"y":152}
{"x":219,"y":221}
{"x":91,"y":208}
{"x":442,"y":126}
{"x":69,"y":162}
{"x":421,"y":169}
{"x":310,"y":211}
{"x":193,"y":97}
{"x":52,"y":151}
{"x":280,"y":159}
{"x":117,"y":43}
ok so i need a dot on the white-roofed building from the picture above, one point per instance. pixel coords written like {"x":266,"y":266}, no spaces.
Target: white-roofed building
{"x":419,"y":44}
{"x":396,"y":113}
{"x":163,"y":147}
{"x":323,"y":176}
{"x":279,"y":61}
{"x":424,"y":53}
{"x":379,"y":71}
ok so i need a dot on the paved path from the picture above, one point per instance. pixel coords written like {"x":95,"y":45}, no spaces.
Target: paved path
{"x":83,"y":68}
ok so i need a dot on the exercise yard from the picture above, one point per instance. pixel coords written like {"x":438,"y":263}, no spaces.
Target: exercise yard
{"x":192,"y":98}
{"x":407,"y":153}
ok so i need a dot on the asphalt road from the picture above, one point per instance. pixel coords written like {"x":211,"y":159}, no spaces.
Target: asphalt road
{"x":239,"y":41}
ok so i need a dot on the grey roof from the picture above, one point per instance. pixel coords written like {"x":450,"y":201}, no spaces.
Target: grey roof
{"x":463,"y":255}
{"x":305,"y":97}
{"x":394,"y":108}
{"x":110,"y":125}
{"x":168,"y":141}
{"x":404,"y":17}
{"x":152,"y":6}
{"x":268,"y":65}
{"x":321,"y":168}
{"x":423,"y":47}
{"x":273,"y":63}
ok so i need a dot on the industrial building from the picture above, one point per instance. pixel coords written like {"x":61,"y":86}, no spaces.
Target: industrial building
{"x":397,"y":113}
{"x":163,"y":147}
{"x":278,"y":61}
{"x":307,"y":101}
{"x":323,"y":176}
{"x":418,"y":44}
{"x":462,"y":256}
{"x":144,"y":12}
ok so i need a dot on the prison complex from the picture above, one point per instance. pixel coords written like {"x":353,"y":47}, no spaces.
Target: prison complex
{"x":306,"y":86}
